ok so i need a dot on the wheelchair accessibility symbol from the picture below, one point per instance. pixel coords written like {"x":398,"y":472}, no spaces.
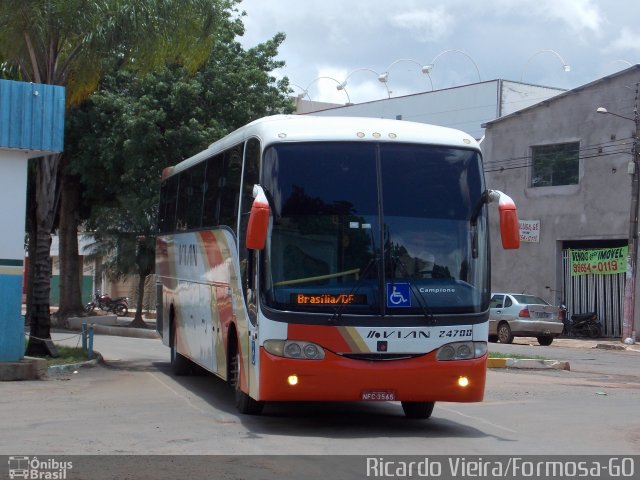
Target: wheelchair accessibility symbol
{"x":398,"y":295}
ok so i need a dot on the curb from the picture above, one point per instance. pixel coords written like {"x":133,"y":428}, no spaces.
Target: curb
{"x":118,"y":331}
{"x":69,"y":367}
{"x":27,"y":368}
{"x":125,"y":331}
{"x":607,"y":346}
{"x":527,"y":364}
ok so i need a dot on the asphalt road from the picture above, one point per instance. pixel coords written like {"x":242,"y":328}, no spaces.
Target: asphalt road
{"x":133,"y":405}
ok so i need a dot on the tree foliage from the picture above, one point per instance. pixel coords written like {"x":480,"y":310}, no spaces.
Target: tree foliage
{"x":71,"y":43}
{"x":136,"y":125}
{"x":65,"y":42}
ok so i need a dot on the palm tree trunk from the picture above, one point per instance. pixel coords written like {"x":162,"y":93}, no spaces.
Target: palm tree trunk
{"x":40,"y":264}
{"x":70,"y":265}
{"x":137,"y":319}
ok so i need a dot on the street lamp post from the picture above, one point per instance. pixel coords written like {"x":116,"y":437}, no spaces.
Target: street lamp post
{"x":340,"y":86}
{"x":565,"y":66}
{"x":429,"y":68}
{"x":343,"y":84}
{"x":303,"y":91}
{"x":384,"y":76}
{"x":628,"y":335}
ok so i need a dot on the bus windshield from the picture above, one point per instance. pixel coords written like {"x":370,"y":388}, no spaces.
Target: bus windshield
{"x":375,"y":229}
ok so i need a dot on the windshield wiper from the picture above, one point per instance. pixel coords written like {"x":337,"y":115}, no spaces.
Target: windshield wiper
{"x":338,"y":311}
{"x":426,"y":310}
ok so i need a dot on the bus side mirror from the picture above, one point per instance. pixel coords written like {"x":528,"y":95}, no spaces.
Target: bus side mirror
{"x":258,"y":225}
{"x":509,"y":223}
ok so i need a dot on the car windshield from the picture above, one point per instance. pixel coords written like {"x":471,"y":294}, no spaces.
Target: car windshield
{"x":529,"y":300}
{"x":374,"y":228}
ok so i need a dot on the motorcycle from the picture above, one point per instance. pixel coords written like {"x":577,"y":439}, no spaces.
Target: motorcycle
{"x":118,"y":305}
{"x":583,"y":325}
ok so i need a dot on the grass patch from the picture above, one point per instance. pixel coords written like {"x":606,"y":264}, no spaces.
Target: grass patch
{"x":515,"y":355}
{"x":67,"y":355}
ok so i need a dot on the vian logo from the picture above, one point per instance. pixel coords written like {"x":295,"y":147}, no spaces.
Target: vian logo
{"x":398,"y":334}
{"x":188,"y":255}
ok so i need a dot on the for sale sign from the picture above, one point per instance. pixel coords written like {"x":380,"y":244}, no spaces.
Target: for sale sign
{"x":601,"y":261}
{"x":530,"y":231}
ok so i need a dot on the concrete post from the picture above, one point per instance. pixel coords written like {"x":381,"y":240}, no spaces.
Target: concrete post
{"x":13,"y":187}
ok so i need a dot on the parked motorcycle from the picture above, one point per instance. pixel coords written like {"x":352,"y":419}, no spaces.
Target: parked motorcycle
{"x":117,"y":305}
{"x":583,"y":325}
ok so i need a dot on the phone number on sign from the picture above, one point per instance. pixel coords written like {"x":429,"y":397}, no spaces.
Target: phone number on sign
{"x":612,"y":266}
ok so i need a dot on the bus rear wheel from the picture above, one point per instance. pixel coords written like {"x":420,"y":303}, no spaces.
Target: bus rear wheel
{"x":179,"y":365}
{"x":418,"y":409}
{"x":244,"y":403}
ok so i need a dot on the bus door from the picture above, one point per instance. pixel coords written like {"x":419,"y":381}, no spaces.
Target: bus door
{"x":248,"y":260}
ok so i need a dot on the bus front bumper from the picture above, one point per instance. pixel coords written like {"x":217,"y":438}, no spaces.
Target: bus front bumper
{"x":337,"y":378}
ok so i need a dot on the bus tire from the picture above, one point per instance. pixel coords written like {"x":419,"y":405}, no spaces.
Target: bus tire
{"x":244,"y":403}
{"x":418,"y":410}
{"x":180,"y":365}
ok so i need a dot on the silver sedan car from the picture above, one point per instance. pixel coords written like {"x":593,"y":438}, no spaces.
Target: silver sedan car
{"x":520,"y":315}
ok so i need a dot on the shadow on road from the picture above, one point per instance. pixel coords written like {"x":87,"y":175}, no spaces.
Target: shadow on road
{"x":317,"y":419}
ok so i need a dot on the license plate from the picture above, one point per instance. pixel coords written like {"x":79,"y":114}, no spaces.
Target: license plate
{"x":543,"y":315}
{"x":379,"y":395}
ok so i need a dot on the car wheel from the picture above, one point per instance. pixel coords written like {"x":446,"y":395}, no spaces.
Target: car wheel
{"x":504,"y":333}
{"x":418,"y":410}
{"x":545,"y":340}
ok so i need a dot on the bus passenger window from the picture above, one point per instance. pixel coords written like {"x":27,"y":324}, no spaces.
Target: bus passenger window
{"x":195,"y":193}
{"x":183,"y":201}
{"x":230,"y":190}
{"x":211,"y":207}
{"x":167,"y":210}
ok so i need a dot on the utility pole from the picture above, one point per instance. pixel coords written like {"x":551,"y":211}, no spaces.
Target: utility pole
{"x":628,"y":334}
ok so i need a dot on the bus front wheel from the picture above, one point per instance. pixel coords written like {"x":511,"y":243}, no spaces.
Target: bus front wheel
{"x":418,"y":409}
{"x":244,"y":403}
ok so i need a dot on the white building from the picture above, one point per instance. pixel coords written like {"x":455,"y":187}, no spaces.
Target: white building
{"x":465,"y":107}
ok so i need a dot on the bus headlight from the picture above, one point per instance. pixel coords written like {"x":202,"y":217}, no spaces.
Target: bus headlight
{"x":294,"y":349}
{"x":461,"y":351}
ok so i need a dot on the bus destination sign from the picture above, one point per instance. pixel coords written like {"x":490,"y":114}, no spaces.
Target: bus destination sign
{"x":322,"y":299}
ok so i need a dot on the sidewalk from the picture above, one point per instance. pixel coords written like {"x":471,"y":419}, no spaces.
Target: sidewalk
{"x":577,"y":342}
{"x":112,"y":325}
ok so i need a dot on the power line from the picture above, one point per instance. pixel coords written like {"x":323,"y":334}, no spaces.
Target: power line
{"x":583,"y":149}
{"x":526,"y":163}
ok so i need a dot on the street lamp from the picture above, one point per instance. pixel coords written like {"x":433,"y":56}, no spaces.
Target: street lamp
{"x":384,"y":76}
{"x":339,"y":87}
{"x":632,"y":255}
{"x":565,"y":66}
{"x":343,"y":84}
{"x":429,"y":68}
{"x":624,"y":62}
{"x":303,"y":91}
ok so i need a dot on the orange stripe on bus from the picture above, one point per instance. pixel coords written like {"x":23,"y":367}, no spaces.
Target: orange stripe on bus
{"x":328,"y":337}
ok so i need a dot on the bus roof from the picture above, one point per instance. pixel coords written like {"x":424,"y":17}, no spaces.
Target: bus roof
{"x":309,"y":128}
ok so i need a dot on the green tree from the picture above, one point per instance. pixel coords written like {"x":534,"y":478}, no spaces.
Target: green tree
{"x":68,"y":43}
{"x":135,"y":126}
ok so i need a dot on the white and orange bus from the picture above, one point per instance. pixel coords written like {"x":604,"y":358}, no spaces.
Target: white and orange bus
{"x":331,"y":259}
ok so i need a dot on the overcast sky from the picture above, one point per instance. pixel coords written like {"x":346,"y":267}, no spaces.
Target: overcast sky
{"x":520,"y":40}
